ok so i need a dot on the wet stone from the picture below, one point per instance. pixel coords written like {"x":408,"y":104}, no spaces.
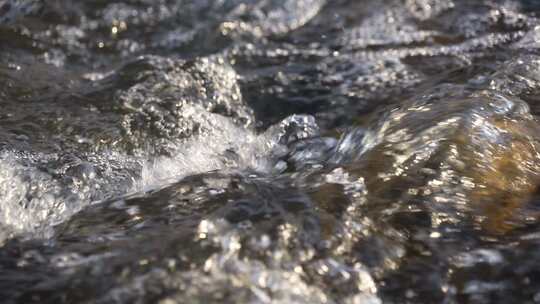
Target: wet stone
{"x":481,"y":146}
{"x":269,"y":151}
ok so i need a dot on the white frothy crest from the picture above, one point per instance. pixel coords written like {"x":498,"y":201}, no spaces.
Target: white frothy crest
{"x":221,"y":145}
{"x":34,"y":200}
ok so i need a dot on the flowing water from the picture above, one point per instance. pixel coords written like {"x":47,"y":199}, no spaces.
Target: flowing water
{"x":269,"y":151}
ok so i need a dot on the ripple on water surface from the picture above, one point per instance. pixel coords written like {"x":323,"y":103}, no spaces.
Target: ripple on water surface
{"x":277,"y":151}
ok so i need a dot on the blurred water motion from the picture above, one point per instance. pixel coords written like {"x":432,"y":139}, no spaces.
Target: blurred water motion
{"x":269,"y":151}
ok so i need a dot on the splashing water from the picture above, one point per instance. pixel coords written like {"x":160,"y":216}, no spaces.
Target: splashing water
{"x":255,"y":151}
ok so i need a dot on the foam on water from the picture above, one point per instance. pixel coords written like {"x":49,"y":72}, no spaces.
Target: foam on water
{"x":269,"y":151}
{"x":36,"y":197}
{"x":172,"y":119}
{"x":228,"y":147}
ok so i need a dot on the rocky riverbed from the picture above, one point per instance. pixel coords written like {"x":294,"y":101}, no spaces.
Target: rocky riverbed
{"x":269,"y":151}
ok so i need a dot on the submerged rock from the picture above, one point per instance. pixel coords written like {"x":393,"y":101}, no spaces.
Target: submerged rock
{"x":180,"y":151}
{"x":139,"y":108}
{"x":62,"y":151}
{"x":461,"y":154}
{"x":201,"y":237}
{"x":165,"y":100}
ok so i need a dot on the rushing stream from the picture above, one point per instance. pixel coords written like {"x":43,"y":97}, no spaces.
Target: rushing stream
{"x":269,"y":151}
